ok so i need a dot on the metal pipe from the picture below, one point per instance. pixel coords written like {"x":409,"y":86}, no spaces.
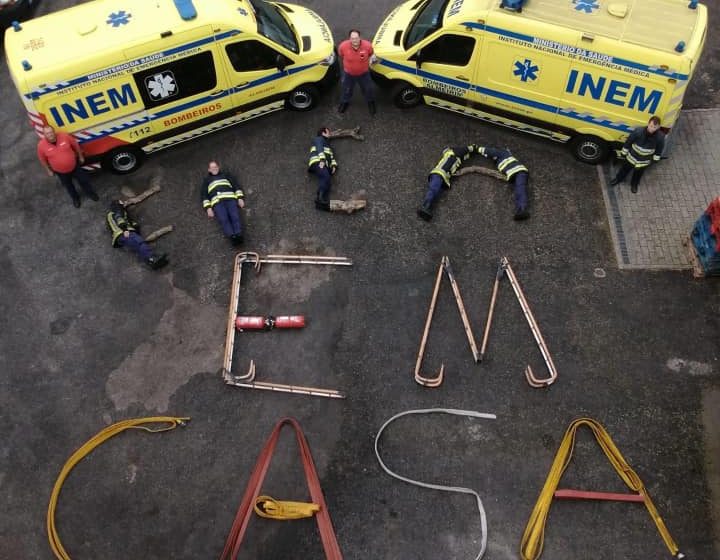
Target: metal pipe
{"x":248,"y":382}
{"x":461,"y":308}
{"x":531,"y":379}
{"x":437,"y":380}
{"x":486,"y":335}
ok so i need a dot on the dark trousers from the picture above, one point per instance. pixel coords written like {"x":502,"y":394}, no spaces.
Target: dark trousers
{"x":520,"y":181}
{"x":636,"y":176}
{"x":81,"y":176}
{"x":136,"y":244}
{"x":323,"y":176}
{"x":435,"y":186}
{"x":228,"y":214}
{"x":366,"y":85}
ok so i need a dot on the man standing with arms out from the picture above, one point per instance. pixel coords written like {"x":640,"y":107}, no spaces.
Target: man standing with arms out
{"x":60,"y":154}
{"x":356,"y":56}
{"x":222,"y":197}
{"x":322,"y":164}
{"x":644,"y":146}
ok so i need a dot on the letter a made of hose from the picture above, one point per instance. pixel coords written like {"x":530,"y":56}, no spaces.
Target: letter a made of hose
{"x":278,"y":510}
{"x":533,"y":538}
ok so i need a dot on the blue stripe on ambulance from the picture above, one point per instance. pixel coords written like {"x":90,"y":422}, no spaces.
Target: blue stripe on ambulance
{"x":37,"y":93}
{"x":189,"y":104}
{"x":614,"y":60}
{"x":585,"y":117}
{"x":273,"y":77}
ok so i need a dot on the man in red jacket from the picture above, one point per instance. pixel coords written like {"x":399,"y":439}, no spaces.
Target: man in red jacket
{"x":356,"y":56}
{"x":60,"y":154}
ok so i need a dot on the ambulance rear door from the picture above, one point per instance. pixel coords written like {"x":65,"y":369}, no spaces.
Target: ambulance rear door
{"x":608,"y":95}
{"x":183,"y":85}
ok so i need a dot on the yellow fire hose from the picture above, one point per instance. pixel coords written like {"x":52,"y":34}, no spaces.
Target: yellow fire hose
{"x":270,"y":508}
{"x":87,"y":447}
{"x":533,"y":538}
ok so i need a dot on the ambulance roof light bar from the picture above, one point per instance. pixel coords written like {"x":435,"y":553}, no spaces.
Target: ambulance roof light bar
{"x":512,"y":5}
{"x":186,"y":9}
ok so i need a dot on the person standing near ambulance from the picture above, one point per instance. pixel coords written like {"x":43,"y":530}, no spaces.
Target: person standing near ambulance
{"x":644,"y":146}
{"x":356,"y":56}
{"x":222,"y":199}
{"x":60,"y":154}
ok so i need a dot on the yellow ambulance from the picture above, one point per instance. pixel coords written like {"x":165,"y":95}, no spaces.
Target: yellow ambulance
{"x":579,"y":71}
{"x":130,"y":77}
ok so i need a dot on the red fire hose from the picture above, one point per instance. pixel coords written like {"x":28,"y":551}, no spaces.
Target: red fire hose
{"x":245,"y":511}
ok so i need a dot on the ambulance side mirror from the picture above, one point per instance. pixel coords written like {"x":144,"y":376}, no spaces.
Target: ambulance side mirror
{"x":418,"y":57}
{"x":281,"y":62}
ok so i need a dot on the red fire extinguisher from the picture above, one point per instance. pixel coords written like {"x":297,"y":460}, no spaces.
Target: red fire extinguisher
{"x":258,"y":323}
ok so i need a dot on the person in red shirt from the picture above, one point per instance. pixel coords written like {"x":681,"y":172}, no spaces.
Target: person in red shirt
{"x":60,"y":154}
{"x":356,"y":56}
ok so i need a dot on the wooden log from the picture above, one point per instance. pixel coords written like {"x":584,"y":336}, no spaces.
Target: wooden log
{"x":347,"y":133}
{"x":348,"y":206}
{"x":158,"y":233}
{"x":142,"y":196}
{"x":482,"y":171}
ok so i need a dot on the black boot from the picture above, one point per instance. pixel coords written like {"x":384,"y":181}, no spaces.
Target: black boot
{"x":237,"y":239}
{"x":614,"y":181}
{"x":322,"y":205}
{"x":156,"y":262}
{"x":372,"y":108}
{"x":342,"y":107}
{"x":521,"y":215}
{"x":425,"y":212}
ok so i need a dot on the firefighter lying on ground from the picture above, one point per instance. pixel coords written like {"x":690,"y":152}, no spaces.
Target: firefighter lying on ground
{"x":322,"y":164}
{"x":222,"y":199}
{"x":126,"y":233}
{"x":516,"y":174}
{"x":453,"y":158}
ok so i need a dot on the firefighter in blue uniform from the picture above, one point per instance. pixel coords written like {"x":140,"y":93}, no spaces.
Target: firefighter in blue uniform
{"x":439,"y":178}
{"x":126,"y":233}
{"x":322,"y":164}
{"x":643,"y":146}
{"x":222,"y":199}
{"x":515,"y":173}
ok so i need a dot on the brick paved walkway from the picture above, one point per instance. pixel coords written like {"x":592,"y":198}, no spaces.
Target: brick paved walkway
{"x":648,"y":227}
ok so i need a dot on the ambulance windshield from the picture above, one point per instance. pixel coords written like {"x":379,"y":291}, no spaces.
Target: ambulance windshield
{"x":427,"y":21}
{"x":273,"y":25}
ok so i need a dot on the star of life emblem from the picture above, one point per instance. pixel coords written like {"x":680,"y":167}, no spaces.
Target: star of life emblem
{"x":161,"y":85}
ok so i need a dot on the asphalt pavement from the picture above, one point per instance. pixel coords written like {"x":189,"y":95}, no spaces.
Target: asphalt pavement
{"x":90,"y":337}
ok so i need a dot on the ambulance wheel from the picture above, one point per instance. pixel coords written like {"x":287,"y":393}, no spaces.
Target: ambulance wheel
{"x":303,"y":98}
{"x":405,"y":96}
{"x":590,"y":149}
{"x":123,"y":160}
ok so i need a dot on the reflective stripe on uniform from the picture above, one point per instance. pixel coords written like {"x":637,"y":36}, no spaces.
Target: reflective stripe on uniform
{"x":326,"y":156}
{"x":510,"y":166}
{"x":643,"y":151}
{"x":219,"y":183}
{"x":218,"y":197}
{"x":637,"y":162}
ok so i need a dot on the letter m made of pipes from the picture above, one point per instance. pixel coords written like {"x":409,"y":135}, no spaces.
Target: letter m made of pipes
{"x":614,"y":92}
{"x":92,"y":105}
